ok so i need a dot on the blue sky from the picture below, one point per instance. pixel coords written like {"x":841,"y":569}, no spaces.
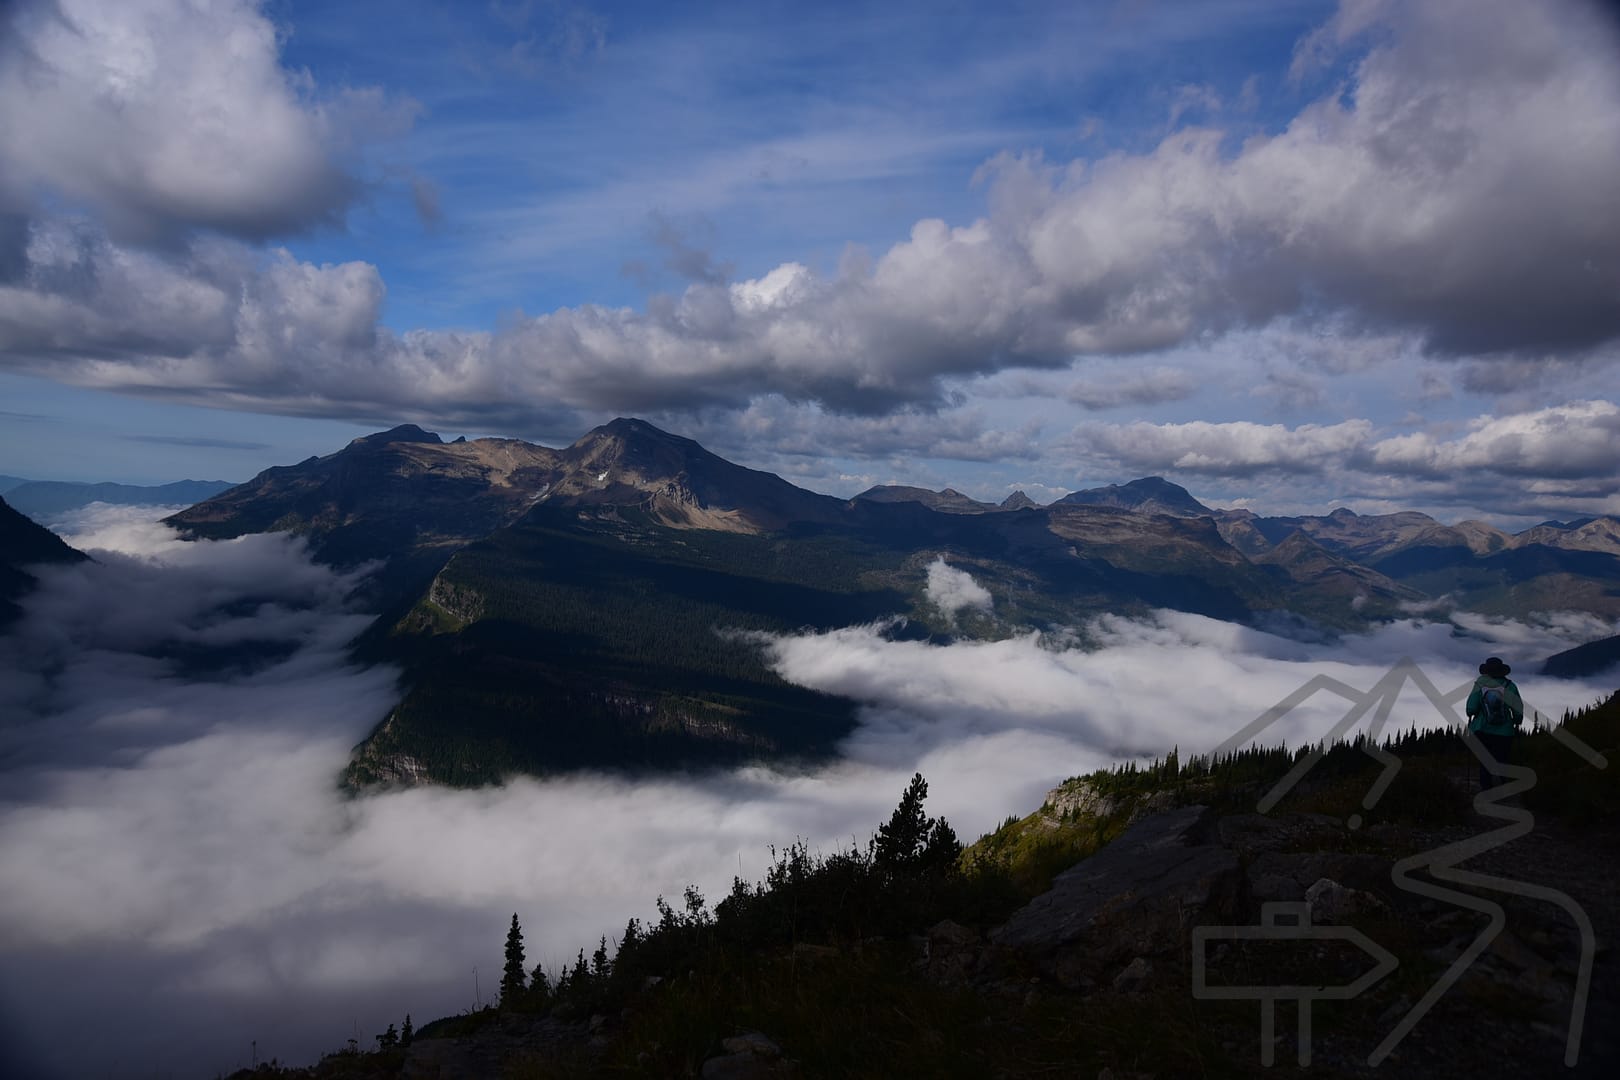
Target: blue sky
{"x":1291,"y":255}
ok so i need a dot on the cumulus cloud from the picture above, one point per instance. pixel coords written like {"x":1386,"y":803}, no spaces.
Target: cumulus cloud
{"x":1234,"y":448}
{"x":164,"y":117}
{"x":1577,"y":440}
{"x":1549,"y":461}
{"x":952,"y":590}
{"x":1457,"y":188}
{"x":181,"y":865}
{"x":772,"y":423}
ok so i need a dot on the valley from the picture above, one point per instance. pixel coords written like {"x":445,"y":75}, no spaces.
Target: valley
{"x":603,"y":605}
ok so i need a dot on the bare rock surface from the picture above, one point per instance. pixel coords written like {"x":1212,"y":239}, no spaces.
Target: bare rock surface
{"x":1137,"y":897}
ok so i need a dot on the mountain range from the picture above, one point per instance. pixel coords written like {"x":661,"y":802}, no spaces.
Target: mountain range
{"x":41,"y":499}
{"x":601,"y":605}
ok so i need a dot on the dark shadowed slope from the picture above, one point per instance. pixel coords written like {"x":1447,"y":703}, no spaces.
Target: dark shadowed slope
{"x":23,"y":544}
{"x":1584,"y":660}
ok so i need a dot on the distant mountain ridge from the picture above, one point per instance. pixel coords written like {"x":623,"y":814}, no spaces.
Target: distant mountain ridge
{"x":949,"y":500}
{"x":46,"y":498}
{"x":575,"y":607}
{"x":1149,"y":495}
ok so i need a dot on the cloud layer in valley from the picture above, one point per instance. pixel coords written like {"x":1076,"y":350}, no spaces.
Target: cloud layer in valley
{"x":181,"y":865}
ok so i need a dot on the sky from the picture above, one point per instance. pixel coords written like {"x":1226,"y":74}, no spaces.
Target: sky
{"x":185,"y":881}
{"x":1291,"y":254}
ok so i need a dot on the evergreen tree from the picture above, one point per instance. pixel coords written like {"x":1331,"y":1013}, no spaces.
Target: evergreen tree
{"x":943,"y":849}
{"x":512,"y":980}
{"x":899,"y":844}
{"x":599,"y":960}
{"x":388,"y":1039}
{"x":540,"y":986}
{"x":406,"y":1031}
{"x":913,"y":843}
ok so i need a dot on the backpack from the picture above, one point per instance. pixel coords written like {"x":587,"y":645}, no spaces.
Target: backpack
{"x":1493,"y":707}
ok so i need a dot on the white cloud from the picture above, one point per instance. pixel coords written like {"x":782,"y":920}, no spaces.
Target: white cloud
{"x":1580,"y":439}
{"x":1458,"y":189}
{"x":165,"y":116}
{"x":773,"y":425}
{"x":952,"y":590}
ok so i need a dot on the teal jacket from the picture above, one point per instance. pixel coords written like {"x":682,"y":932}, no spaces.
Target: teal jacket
{"x":1515,"y":704}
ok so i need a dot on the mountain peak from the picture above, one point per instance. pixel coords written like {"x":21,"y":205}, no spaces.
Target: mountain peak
{"x":402,"y":433}
{"x":1150,"y":495}
{"x":1018,"y":501}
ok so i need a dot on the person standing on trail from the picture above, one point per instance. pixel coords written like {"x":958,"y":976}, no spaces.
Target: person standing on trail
{"x":1495,"y":711}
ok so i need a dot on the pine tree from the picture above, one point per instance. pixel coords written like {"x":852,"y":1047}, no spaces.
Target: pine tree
{"x":406,"y":1031}
{"x":943,"y":848}
{"x":540,"y":986}
{"x":512,"y":979}
{"x":599,"y":960}
{"x":388,"y":1039}
{"x":898,"y":844}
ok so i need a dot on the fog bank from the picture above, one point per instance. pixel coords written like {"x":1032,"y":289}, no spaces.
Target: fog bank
{"x":184,"y":876}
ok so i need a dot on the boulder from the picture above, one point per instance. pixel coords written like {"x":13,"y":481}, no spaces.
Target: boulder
{"x":751,"y":1042}
{"x":1332,"y":903}
{"x":1280,"y":875}
{"x":1135,"y":977}
{"x":1137,"y":897}
{"x":749,"y":1056}
{"x":951,"y":952}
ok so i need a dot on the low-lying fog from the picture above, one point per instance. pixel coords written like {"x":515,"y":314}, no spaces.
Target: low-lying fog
{"x":183,"y":879}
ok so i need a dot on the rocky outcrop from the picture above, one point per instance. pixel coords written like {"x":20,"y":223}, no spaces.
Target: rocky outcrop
{"x":1139,"y":897}
{"x":1069,"y":800}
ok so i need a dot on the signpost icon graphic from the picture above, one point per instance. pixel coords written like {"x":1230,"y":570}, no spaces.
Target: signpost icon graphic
{"x":1437,"y":875}
{"x":1285,"y":921}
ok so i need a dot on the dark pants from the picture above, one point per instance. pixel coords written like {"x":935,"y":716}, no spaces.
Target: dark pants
{"x":1499,"y":747}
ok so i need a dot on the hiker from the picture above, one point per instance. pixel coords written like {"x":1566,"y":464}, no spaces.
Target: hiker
{"x":1494,"y":712}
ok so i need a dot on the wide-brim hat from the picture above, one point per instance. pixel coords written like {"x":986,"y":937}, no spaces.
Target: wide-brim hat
{"x":1494,"y":666}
